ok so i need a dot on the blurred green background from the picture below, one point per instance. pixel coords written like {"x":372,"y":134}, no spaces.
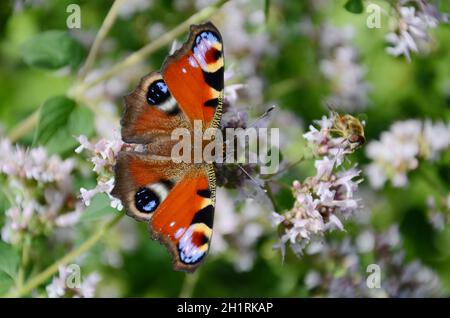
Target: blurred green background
{"x":286,"y":71}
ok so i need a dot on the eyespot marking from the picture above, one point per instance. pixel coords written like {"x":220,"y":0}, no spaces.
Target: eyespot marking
{"x":212,"y":55}
{"x":194,"y":244}
{"x":157,"y":93}
{"x":207,"y":50}
{"x":146,"y":200}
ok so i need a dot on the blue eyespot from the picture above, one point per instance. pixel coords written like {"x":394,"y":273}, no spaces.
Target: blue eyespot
{"x":157,"y":93}
{"x":207,"y":36}
{"x":146,"y":200}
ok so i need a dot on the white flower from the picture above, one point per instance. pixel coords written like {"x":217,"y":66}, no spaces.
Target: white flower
{"x":88,"y":285}
{"x":84,"y":144}
{"x":33,"y":164}
{"x":340,"y":66}
{"x":312,"y":279}
{"x":323,"y":199}
{"x":324,"y":166}
{"x":376,"y":174}
{"x":399,"y":149}
{"x":70,"y":218}
{"x":33,"y":173}
{"x":318,"y":203}
{"x":103,"y":155}
{"x":276,"y":219}
{"x":60,"y":285}
{"x":56,"y":288}
{"x":88,"y":195}
{"x":236,"y":231}
{"x":412,"y":29}
{"x":437,"y":137}
{"x":130,"y":7}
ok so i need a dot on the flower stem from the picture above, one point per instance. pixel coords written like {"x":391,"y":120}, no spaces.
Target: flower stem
{"x":190,"y":281}
{"x":24,"y":126}
{"x":271,"y":197}
{"x":101,"y":35}
{"x":24,"y":260}
{"x":291,"y":165}
{"x":52,"y":269}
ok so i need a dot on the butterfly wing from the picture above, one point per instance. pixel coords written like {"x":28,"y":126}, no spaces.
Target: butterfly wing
{"x":177,"y":199}
{"x":142,"y":182}
{"x":195,"y":75}
{"x":184,"y":221}
{"x":150,"y":111}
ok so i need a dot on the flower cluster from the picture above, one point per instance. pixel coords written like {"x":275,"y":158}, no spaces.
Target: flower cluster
{"x":38,"y":187}
{"x":103,"y":156}
{"x":412,"y":28}
{"x":322,"y":200}
{"x":399,"y":149}
{"x":238,"y":226}
{"x":65,"y":285}
{"x":341,"y":67}
{"x":399,"y":277}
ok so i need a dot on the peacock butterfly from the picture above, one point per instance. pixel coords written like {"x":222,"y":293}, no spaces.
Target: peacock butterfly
{"x":176,"y":199}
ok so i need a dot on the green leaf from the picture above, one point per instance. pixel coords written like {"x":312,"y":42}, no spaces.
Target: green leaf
{"x":52,"y":50}
{"x":54,"y":116}
{"x":266,"y":10}
{"x":354,"y":6}
{"x":9,"y":260}
{"x":6,"y":283}
{"x":80,"y":121}
{"x":99,"y":208}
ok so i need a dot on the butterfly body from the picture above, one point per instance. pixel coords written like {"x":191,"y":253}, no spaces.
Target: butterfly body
{"x":176,"y":198}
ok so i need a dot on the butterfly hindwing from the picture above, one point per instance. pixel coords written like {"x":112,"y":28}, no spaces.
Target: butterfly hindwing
{"x":143,"y":183}
{"x":184,"y":221}
{"x":178,"y":201}
{"x":195,"y":75}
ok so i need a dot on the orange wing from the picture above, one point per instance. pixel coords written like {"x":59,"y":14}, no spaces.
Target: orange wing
{"x":195,"y":75}
{"x":143,"y":182}
{"x":184,"y":221}
{"x":150,"y":111}
{"x":177,"y":199}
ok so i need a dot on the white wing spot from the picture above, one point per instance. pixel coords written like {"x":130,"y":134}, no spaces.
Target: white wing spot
{"x":179,"y":232}
{"x":188,"y":251}
{"x":193,"y":62}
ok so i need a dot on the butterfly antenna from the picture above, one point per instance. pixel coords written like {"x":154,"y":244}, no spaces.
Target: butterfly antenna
{"x":331,"y":107}
{"x":258,"y":184}
{"x":266,"y":114}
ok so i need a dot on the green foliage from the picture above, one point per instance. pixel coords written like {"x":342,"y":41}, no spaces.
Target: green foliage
{"x":354,"y":6}
{"x":52,"y":50}
{"x":9,"y":261}
{"x":98,"y":209}
{"x":60,"y":120}
{"x":31,"y":57}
